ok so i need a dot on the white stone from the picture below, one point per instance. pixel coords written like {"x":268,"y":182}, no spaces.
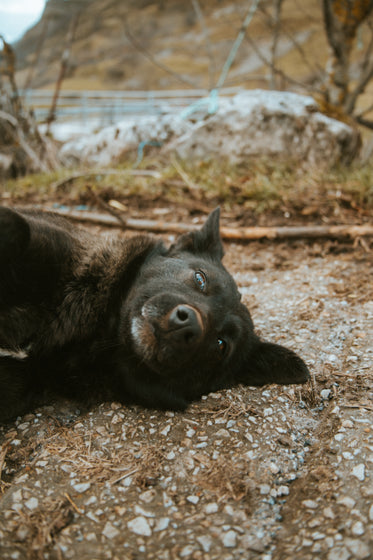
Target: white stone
{"x":325,"y":394}
{"x":32,"y":503}
{"x":110,"y":532}
{"x":187,"y":551}
{"x":165,"y":430}
{"x":161,"y":524}
{"x":147,"y":496}
{"x":223,"y":433}
{"x":211,"y":508}
{"x":140,"y":526}
{"x":339,"y":554}
{"x":141,"y":511}
{"x":206,"y":542}
{"x":310,"y":504}
{"x":229,"y":539}
{"x":283,"y":491}
{"x":275,"y":469}
{"x":346,"y":501}
{"x":264,"y":489}
{"x":357,"y":529}
{"x":81,"y":486}
{"x":359,"y":549}
{"x":371,"y":513}
{"x":359,"y":472}
{"x":193,"y":499}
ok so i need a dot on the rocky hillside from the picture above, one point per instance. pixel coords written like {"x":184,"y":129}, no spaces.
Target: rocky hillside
{"x":165,"y":44}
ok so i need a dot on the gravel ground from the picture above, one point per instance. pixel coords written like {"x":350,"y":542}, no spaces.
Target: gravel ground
{"x":274,"y":473}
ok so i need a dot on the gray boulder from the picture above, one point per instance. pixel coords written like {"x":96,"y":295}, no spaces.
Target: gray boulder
{"x":252,"y":123}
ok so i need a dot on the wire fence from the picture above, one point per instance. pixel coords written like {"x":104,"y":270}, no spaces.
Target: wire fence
{"x":107,"y":107}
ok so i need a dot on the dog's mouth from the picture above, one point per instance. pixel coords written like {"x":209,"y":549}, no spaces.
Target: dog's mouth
{"x":167,"y":338}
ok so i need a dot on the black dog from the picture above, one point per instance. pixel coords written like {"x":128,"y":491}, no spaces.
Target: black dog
{"x":129,"y":320}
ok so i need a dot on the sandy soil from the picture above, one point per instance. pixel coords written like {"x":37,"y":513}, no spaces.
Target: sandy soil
{"x":272,"y":474}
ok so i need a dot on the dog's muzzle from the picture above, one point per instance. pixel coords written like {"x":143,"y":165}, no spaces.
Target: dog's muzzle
{"x":185,"y":326}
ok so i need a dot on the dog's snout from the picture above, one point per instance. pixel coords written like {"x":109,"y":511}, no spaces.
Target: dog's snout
{"x":185,"y":325}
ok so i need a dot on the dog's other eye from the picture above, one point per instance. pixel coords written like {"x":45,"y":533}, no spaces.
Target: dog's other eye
{"x":222,"y":345}
{"x":201,"y":280}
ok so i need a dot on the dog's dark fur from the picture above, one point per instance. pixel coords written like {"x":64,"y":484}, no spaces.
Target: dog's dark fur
{"x":129,"y":320}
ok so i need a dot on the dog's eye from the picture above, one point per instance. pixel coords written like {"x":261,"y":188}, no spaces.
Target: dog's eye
{"x":222,"y":345}
{"x":201,"y":280}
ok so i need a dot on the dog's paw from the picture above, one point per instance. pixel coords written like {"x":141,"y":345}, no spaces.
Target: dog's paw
{"x":14,"y":235}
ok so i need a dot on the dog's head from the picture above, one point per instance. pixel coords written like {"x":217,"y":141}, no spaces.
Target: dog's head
{"x":187,"y":320}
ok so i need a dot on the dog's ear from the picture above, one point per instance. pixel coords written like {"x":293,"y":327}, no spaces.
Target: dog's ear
{"x":206,"y":241}
{"x":271,"y":363}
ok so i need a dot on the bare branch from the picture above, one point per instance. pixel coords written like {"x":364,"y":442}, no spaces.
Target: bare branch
{"x":64,"y":63}
{"x":276,"y":36}
{"x":364,"y":79}
{"x":152,"y":59}
{"x":236,"y":45}
{"x":210,"y":54}
{"x":245,"y":233}
{"x":276,"y":70}
{"x":364,"y":122}
{"x":314,"y":68}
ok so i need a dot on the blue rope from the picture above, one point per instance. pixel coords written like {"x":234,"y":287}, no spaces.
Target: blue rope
{"x":140,"y":149}
{"x":212,"y":101}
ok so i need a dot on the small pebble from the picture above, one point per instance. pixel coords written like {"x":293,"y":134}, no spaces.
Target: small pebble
{"x":359,"y":472}
{"x":206,"y":542}
{"x":229,"y":539}
{"x":310,"y":504}
{"x":193,"y":499}
{"x":81,"y":486}
{"x":110,"y":532}
{"x":211,"y":508}
{"x":32,"y":503}
{"x":357,"y":529}
{"x":140,"y":526}
{"x":346,"y":501}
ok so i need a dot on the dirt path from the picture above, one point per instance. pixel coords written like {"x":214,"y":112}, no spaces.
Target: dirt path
{"x":272,"y":474}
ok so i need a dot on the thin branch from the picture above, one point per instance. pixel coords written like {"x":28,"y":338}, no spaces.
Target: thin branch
{"x":364,"y":79}
{"x":276,"y":36}
{"x":64,"y":62}
{"x":205,"y":31}
{"x":237,"y":234}
{"x":39,"y":47}
{"x":236,"y":45}
{"x":152,"y":59}
{"x":277,"y":70}
{"x":365,"y":111}
{"x":364,"y":122}
{"x":315,"y":68}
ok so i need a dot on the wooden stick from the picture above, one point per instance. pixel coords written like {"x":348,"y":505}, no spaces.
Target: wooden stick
{"x":233,"y":234}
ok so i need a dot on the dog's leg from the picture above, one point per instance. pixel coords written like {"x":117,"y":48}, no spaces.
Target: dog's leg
{"x":14,"y":235}
{"x":16,"y":396}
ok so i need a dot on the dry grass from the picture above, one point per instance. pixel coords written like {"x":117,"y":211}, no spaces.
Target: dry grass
{"x":256,"y":187}
{"x":86,"y":456}
{"x":227,"y":479}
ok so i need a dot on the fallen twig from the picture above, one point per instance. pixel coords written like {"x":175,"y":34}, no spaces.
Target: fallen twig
{"x":232,"y":234}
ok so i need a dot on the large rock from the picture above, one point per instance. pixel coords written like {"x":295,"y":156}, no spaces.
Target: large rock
{"x":269,"y":123}
{"x":113,"y":143}
{"x":252,"y":123}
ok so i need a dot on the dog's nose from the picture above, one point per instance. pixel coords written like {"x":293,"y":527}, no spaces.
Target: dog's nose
{"x":185,"y":325}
